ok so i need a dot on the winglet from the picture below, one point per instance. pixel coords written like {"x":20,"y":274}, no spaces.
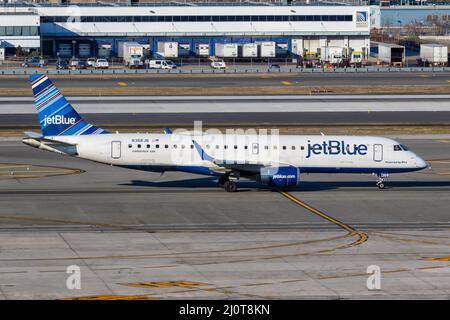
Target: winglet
{"x":167,"y":130}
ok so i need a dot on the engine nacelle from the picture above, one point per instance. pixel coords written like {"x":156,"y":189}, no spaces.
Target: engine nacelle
{"x":280,"y":176}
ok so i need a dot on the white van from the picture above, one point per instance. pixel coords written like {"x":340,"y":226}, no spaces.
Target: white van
{"x":161,"y":64}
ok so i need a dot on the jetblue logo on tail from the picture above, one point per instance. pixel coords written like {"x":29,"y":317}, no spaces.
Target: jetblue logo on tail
{"x":335,"y":147}
{"x":58,"y":119}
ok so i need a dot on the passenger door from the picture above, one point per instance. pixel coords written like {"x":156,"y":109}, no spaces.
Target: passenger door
{"x":115,"y":149}
{"x":255,"y":148}
{"x":378,"y":152}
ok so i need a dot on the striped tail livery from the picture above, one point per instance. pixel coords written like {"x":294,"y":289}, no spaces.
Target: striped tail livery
{"x":57,"y":117}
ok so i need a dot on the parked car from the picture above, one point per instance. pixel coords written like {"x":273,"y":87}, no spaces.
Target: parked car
{"x":62,"y":64}
{"x":274,"y":66}
{"x":73,"y":63}
{"x":82,"y":65}
{"x":218,"y":64}
{"x":35,"y":62}
{"x":101,"y":64}
{"x":90,"y":62}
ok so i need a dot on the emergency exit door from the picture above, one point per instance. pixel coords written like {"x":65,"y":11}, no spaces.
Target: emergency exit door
{"x":378,"y":152}
{"x":115,"y":149}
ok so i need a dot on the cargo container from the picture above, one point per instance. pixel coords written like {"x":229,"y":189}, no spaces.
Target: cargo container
{"x":333,"y":55}
{"x":202,"y":49}
{"x":133,"y":54}
{"x":393,"y":54}
{"x":249,"y":50}
{"x":434,"y":54}
{"x":2,"y":54}
{"x":226,"y":50}
{"x":266,"y":49}
{"x":168,"y":49}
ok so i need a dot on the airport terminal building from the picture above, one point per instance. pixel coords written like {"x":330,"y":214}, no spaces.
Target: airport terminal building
{"x":186,"y":30}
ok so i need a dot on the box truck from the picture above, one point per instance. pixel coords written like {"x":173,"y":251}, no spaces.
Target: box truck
{"x":434,"y":54}
{"x":392,"y":54}
{"x":266,"y":49}
{"x":333,"y":55}
{"x":226,"y":50}
{"x":133,"y":54}
{"x":249,"y":50}
{"x":168,"y":49}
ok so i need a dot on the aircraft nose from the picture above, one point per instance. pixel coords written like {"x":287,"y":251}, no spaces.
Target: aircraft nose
{"x":421,"y":163}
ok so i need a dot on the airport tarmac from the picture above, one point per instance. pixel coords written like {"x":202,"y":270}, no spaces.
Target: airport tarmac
{"x":138,"y":235}
{"x":238,"y":80}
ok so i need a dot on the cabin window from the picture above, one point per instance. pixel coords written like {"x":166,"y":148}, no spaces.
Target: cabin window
{"x":293,"y":147}
{"x":225,"y":146}
{"x":245,"y":147}
{"x":266,"y":147}
{"x":139,"y":146}
{"x":235,"y":147}
{"x":275,"y":147}
{"x":217,"y":146}
{"x":192,"y":146}
{"x":302,"y":148}
{"x":284,"y":147}
{"x":130,"y":145}
{"x":148,"y":146}
{"x":207,"y":146}
{"x":397,"y":148}
{"x":166,"y":146}
{"x":157,"y":146}
{"x":174,"y":146}
{"x":182,"y":146}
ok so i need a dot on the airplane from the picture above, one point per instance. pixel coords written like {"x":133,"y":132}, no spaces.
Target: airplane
{"x":276,"y":161}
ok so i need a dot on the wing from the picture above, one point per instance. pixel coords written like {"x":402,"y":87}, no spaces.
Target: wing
{"x":245,"y":168}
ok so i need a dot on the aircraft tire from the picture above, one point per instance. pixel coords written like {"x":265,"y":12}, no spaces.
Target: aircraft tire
{"x":230,"y":186}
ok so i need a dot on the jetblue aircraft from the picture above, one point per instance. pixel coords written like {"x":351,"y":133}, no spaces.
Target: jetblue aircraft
{"x":273,"y":160}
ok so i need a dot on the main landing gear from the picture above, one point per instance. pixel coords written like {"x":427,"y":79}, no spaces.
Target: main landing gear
{"x":381,"y":179}
{"x":229,"y":185}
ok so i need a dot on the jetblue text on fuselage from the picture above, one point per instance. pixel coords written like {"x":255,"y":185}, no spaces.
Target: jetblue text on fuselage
{"x":58,"y":119}
{"x":335,"y":147}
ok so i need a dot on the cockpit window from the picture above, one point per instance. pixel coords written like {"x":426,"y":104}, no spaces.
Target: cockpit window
{"x":404,"y":147}
{"x":397,"y":147}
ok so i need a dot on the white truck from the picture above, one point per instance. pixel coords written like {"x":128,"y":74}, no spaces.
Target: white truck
{"x":332,"y":55}
{"x":266,"y":49}
{"x":168,"y":49}
{"x":226,"y":50}
{"x":392,"y":54}
{"x":249,"y":50}
{"x":132,"y":54}
{"x":434,"y":54}
{"x":161,"y":64}
{"x":356,"y":58}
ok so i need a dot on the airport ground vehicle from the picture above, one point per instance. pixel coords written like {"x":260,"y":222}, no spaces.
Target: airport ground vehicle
{"x":434,"y":54}
{"x":35,"y":62}
{"x":161,"y":64}
{"x":62,"y":64}
{"x":275,"y":161}
{"x":218,"y":64}
{"x":101,"y":64}
{"x":73,"y":63}
{"x":132,"y":54}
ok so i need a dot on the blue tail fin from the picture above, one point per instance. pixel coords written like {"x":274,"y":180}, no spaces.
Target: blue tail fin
{"x":56,"y":116}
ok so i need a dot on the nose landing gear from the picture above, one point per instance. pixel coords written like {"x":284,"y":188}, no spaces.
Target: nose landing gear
{"x":229,"y":185}
{"x":381,"y":179}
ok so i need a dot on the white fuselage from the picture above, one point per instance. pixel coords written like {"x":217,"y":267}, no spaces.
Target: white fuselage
{"x":163,"y":152}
